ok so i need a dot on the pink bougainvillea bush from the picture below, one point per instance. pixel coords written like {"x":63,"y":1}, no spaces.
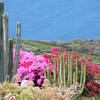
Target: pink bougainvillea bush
{"x":31,"y":67}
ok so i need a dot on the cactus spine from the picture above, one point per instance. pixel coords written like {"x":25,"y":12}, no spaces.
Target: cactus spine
{"x":16,"y":61}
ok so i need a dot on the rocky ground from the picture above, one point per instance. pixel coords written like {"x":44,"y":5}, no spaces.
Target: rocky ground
{"x":81,"y":45}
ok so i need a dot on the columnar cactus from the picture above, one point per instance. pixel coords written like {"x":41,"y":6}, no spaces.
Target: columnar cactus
{"x":6,"y":48}
{"x":1,"y":43}
{"x":5,"y":43}
{"x":45,"y":72}
{"x":55,"y":71}
{"x":68,"y":74}
{"x":49,"y":72}
{"x":76,"y":70}
{"x":17,"y":49}
{"x":10,"y":63}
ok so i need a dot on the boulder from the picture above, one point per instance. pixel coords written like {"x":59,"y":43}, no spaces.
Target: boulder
{"x":28,"y":48}
{"x":27,"y":83}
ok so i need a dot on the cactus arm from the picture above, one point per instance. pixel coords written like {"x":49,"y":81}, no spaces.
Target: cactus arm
{"x":17,"y":50}
{"x":74,"y":77}
{"x":1,"y":43}
{"x":84,"y":79}
{"x":5,"y":43}
{"x":58,"y":80}
{"x":82,"y":72}
{"x":55,"y":71}
{"x":10,"y":64}
{"x":49,"y":72}
{"x":83,"y":85}
{"x":65,"y":65}
{"x":68,"y":83}
{"x":71,"y":70}
{"x":45,"y":72}
{"x":76,"y":70}
{"x":60,"y":77}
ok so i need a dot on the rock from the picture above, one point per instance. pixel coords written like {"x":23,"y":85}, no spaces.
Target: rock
{"x":46,"y":83}
{"x":28,"y":48}
{"x":27,"y":83}
{"x":51,"y":94}
{"x":66,"y":97}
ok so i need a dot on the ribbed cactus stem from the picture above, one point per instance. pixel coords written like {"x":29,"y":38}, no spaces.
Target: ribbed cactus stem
{"x":71,"y":70}
{"x":82,"y":73}
{"x":74,"y":77}
{"x":49,"y":72}
{"x":83,"y":84}
{"x":65,"y":74}
{"x":17,"y":50}
{"x":63,"y":64}
{"x":10,"y":64}
{"x":58,"y":80}
{"x":45,"y":72}
{"x":55,"y":71}
{"x":76,"y":70}
{"x":1,"y":43}
{"x":5,"y":43}
{"x":60,"y":72}
{"x":68,"y":82}
{"x":84,"y":78}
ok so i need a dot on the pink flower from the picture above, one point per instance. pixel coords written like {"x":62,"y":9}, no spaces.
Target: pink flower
{"x":89,"y":84}
{"x":96,"y":67}
{"x":54,"y":49}
{"x":86,"y":63}
{"x":7,"y":96}
{"x":48,"y":60}
{"x":39,"y":81}
{"x":66,"y":57}
{"x":94,"y":88}
{"x":45,"y":55}
{"x":12,"y":98}
{"x":64,"y":50}
{"x":89,"y":59}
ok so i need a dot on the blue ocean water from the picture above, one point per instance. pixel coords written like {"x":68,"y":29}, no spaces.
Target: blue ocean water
{"x":54,"y":19}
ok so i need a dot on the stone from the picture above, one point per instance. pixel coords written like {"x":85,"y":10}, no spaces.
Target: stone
{"x":46,"y":83}
{"x":28,"y":48}
{"x":26,"y":83}
{"x":66,"y":97}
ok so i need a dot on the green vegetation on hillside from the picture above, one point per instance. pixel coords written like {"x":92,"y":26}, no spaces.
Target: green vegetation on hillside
{"x":39,"y":45}
{"x":42,"y":46}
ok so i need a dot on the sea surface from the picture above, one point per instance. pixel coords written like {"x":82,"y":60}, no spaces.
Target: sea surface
{"x":54,"y":19}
